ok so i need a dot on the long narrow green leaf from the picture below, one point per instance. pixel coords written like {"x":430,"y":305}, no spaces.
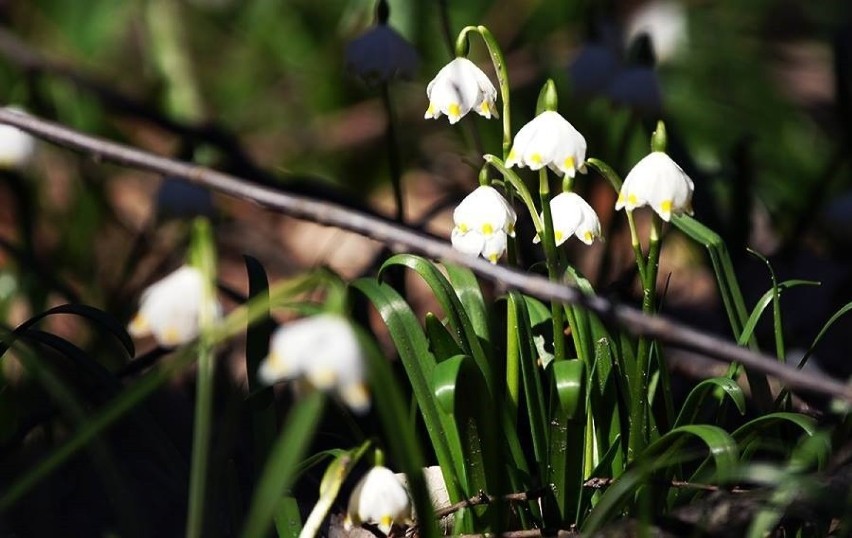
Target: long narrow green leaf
{"x":765,"y":300}
{"x":692,"y":405}
{"x":663,"y":453}
{"x":754,"y":430}
{"x":413,"y":349}
{"x":441,"y":341}
{"x":467,"y":289}
{"x":453,"y":309}
{"x":399,"y":433}
{"x":567,"y":436}
{"x":260,"y":402}
{"x":283,"y":461}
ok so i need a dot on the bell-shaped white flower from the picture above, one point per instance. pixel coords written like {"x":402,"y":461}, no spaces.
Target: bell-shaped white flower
{"x":380,"y":498}
{"x":324,"y":350}
{"x":549,"y":140}
{"x":380,"y":55}
{"x":459,"y":87}
{"x":17,"y":147}
{"x":483,"y":221}
{"x":170,"y":309}
{"x":572,"y":215}
{"x":659,"y":182}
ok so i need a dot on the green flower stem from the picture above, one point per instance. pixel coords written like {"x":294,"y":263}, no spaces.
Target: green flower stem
{"x":641,"y":373}
{"x":393,"y":154}
{"x":637,"y":247}
{"x":499,"y":62}
{"x":520,"y":188}
{"x":557,"y":314}
{"x":203,"y":257}
{"x":513,"y":362}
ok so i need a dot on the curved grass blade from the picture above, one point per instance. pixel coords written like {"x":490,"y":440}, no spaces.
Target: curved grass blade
{"x":419,"y":364}
{"x":399,"y":432}
{"x":467,"y":289}
{"x":692,"y":405}
{"x":754,"y":430}
{"x":280,"y":468}
{"x":760,"y":306}
{"x":441,"y":341}
{"x":567,"y":436}
{"x":662,"y":453}
{"x":98,"y":317}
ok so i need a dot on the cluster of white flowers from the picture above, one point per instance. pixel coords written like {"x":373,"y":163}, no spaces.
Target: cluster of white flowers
{"x":484,"y":220}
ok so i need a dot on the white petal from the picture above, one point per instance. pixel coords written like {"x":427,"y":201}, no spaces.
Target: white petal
{"x":657,"y":181}
{"x":495,"y":246}
{"x":548,"y":140}
{"x":17,"y":147}
{"x":459,"y":87}
{"x":471,"y":242}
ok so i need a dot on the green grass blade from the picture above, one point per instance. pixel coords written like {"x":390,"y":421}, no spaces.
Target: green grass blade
{"x":567,"y":436}
{"x":665,"y":452}
{"x":692,"y":405}
{"x":282,"y":464}
{"x":441,"y":341}
{"x":419,"y":363}
{"x":466,"y":286}
{"x":765,"y":300}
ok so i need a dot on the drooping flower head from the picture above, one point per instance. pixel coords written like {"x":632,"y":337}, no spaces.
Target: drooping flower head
{"x":483,"y":221}
{"x":572,"y":215}
{"x":324,"y":350}
{"x":549,"y":140}
{"x":659,"y":182}
{"x":380,"y":498}
{"x":459,"y":87}
{"x":381,"y":54}
{"x":170,"y":309}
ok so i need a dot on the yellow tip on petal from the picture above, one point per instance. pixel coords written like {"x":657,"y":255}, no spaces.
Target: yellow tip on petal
{"x":493,"y":258}
{"x":557,"y":236}
{"x":535,"y":158}
{"x":454,"y":110}
{"x":512,"y":155}
{"x":171,"y":337}
{"x":487,"y":229}
{"x":139,"y":326}
{"x":356,"y":397}
{"x":430,"y":112}
{"x":463,"y":228}
{"x":386,"y":522}
{"x":632,"y":200}
{"x":588,"y":236}
{"x":666,"y":206}
{"x":484,"y":109}
{"x":323,"y":378}
{"x":569,"y":163}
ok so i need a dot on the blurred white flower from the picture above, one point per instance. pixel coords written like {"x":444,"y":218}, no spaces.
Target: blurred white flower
{"x":657,"y":181}
{"x":170,"y":309}
{"x":664,"y":21}
{"x":592,"y":69}
{"x":483,"y":220}
{"x":380,"y":498}
{"x":17,"y":147}
{"x":459,"y":87}
{"x":380,"y":55}
{"x":324,"y":350}
{"x":572,"y":215}
{"x":637,"y":87}
{"x":549,"y":140}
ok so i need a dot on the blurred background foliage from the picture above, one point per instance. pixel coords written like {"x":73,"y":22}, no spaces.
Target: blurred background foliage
{"x":757,"y":98}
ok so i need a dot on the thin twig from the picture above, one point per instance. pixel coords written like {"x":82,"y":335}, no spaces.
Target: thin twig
{"x":483,"y":498}
{"x":602,"y":482}
{"x":401,"y":238}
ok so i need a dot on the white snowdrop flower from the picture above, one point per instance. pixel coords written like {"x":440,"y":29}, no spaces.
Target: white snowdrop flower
{"x":659,"y":182}
{"x":572,"y":215}
{"x":459,"y":87}
{"x":549,"y":140}
{"x":665,"y":23}
{"x":637,"y":87}
{"x":380,"y":498}
{"x":592,"y":69}
{"x":17,"y":147}
{"x":380,"y":55}
{"x":170,"y":309}
{"x":483,"y":221}
{"x":324,"y":350}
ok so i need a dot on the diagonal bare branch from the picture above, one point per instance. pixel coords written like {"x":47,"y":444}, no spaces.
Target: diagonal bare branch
{"x":401,"y":238}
